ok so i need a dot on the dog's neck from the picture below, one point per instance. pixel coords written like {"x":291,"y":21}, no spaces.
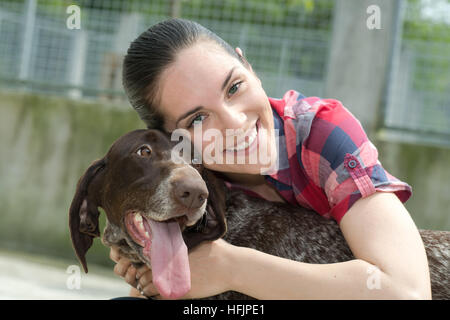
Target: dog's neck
{"x":253,"y":182}
{"x":244,"y":179}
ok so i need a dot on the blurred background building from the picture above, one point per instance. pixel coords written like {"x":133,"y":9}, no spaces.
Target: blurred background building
{"x":62,"y":103}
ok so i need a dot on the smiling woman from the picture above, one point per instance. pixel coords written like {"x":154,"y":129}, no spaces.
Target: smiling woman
{"x":219,"y":93}
{"x":180,"y":75}
{"x":204,"y":82}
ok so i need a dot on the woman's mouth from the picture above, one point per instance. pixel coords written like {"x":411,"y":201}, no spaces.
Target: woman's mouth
{"x":249,"y":142}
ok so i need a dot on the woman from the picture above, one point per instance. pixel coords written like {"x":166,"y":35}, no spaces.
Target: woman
{"x":177,"y":75}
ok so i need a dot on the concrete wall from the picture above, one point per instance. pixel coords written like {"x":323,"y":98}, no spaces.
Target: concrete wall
{"x":425,"y":168}
{"x":360,"y":56}
{"x":46,"y":144}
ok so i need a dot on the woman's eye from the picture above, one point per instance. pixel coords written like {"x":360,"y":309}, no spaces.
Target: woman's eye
{"x":197,"y":118}
{"x":144,"y":151}
{"x":234,"y":88}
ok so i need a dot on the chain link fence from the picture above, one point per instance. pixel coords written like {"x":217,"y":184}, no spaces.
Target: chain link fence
{"x":419,"y":88}
{"x":287,"y":43}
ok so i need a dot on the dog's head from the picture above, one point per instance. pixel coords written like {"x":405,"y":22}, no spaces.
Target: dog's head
{"x":146,"y":195}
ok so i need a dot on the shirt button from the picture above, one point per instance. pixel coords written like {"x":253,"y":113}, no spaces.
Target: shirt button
{"x":352,"y":164}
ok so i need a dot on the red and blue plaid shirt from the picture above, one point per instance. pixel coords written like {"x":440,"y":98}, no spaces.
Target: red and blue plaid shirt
{"x":326,"y":162}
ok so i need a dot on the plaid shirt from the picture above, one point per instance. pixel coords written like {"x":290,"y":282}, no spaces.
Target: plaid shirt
{"x":326,"y":162}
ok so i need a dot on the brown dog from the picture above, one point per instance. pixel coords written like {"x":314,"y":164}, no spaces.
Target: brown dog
{"x":149,"y":200}
{"x":157,"y":210}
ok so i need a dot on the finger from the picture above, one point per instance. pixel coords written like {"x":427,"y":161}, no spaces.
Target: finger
{"x":150,"y":290}
{"x":121,"y":267}
{"x":130,"y":276}
{"x":114,"y":254}
{"x":142,"y":270}
{"x":136,"y":293}
{"x":145,"y":279}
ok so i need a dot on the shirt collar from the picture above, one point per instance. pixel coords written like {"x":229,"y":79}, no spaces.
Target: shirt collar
{"x":281,"y":178}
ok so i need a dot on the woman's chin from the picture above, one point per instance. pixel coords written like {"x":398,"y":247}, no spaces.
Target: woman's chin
{"x":263,"y":165}
{"x":258,"y":168}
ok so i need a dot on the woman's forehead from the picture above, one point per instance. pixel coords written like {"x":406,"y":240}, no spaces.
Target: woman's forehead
{"x":195,"y":77}
{"x":205,"y":64}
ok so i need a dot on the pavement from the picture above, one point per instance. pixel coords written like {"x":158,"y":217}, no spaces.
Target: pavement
{"x":30,"y":277}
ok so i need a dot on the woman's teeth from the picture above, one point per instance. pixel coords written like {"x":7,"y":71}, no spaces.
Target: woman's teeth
{"x":244,"y":145}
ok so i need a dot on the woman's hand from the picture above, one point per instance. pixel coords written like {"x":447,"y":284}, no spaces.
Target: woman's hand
{"x":125,"y":270}
{"x":210,"y":265}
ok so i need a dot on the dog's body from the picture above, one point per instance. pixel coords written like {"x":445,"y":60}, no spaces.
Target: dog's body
{"x":133,"y":188}
{"x":303,"y":235}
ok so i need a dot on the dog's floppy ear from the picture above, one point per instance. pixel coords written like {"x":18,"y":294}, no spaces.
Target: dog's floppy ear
{"x":83,"y":213}
{"x":213,"y":225}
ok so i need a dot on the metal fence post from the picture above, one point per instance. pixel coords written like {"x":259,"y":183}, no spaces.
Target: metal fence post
{"x":27,"y":38}
{"x":77,"y":63}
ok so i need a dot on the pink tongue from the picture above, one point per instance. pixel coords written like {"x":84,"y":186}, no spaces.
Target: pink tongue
{"x":169,"y":259}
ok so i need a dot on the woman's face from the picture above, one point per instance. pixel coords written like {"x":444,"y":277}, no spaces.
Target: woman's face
{"x":208,"y":86}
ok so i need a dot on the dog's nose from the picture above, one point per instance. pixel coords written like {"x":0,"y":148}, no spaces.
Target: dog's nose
{"x":190,"y":191}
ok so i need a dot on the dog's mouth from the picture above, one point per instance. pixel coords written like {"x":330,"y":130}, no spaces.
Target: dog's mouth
{"x":165,"y":250}
{"x":139,"y":228}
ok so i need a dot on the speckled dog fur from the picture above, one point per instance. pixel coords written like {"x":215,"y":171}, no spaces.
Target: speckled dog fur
{"x":303,"y":235}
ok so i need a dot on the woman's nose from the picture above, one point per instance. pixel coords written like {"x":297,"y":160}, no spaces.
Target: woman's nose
{"x":233,"y":118}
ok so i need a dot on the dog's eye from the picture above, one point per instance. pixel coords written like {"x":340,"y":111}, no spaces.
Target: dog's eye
{"x":144,"y":151}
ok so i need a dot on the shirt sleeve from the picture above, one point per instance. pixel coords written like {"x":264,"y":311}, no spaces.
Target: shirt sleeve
{"x":339,"y":158}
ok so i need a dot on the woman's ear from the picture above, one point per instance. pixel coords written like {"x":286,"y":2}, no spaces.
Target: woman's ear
{"x":241,"y":56}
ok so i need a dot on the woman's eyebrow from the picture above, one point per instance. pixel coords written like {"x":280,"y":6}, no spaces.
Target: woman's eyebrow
{"x":188,"y":113}
{"x":228,"y":78}
{"x":184,"y":115}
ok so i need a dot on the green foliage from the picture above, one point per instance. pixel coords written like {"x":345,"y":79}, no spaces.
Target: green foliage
{"x":299,"y":13}
{"x":430,"y":42}
{"x":426,"y":30}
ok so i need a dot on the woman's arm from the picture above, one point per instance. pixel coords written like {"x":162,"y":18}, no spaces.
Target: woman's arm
{"x":379,"y":231}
